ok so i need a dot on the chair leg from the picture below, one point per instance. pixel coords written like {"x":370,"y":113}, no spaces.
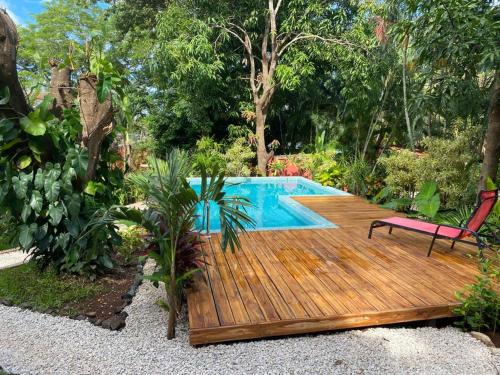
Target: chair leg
{"x":430,"y":247}
{"x":452,"y":245}
{"x":390,"y":230}
{"x":370,"y":232}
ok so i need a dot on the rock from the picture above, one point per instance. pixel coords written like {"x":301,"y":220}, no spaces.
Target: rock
{"x":114,"y":323}
{"x":25,"y":305}
{"x":123,"y":314}
{"x":5,"y":302}
{"x":80,"y":317}
{"x":98,"y":322}
{"x":483,"y":338}
{"x":91,"y":314}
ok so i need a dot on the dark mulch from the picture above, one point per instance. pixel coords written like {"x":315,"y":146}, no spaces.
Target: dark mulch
{"x":109,"y":301}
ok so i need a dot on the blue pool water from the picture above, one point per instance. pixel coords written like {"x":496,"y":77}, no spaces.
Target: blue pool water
{"x":272,"y":206}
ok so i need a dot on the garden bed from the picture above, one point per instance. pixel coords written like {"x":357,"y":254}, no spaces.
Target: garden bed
{"x":100,"y":302}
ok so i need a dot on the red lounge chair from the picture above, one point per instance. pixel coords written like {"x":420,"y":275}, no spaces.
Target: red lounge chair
{"x":487,"y":200}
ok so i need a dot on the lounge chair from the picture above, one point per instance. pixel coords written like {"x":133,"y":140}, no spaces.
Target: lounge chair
{"x":486,"y":202}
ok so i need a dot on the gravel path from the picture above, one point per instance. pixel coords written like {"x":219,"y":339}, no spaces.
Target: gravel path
{"x":33,"y":343}
{"x":12,"y":258}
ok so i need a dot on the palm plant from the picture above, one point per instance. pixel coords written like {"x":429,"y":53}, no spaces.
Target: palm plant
{"x":170,"y":219}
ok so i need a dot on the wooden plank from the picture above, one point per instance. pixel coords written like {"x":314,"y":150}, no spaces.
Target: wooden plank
{"x":285,"y":307}
{"x":302,"y":281}
{"x":202,"y":312}
{"x":227,"y":297}
{"x":278,"y":270}
{"x":310,"y":325}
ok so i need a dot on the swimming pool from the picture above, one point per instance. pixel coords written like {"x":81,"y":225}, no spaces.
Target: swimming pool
{"x":273,"y":208}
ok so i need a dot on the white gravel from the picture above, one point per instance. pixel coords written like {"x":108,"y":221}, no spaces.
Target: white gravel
{"x":33,"y":343}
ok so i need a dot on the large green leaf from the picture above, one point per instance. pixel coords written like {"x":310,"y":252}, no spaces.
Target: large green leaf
{"x":26,"y":235}
{"x":24,"y":162}
{"x":427,"y":199}
{"x":55,"y":212}
{"x":44,"y":108}
{"x":8,"y":134}
{"x":20,"y":184}
{"x":26,"y":212}
{"x":39,"y":179}
{"x":33,"y":124}
{"x":427,"y":190}
{"x":429,"y":207}
{"x":104,"y":87}
{"x":52,"y":189}
{"x":73,"y":204}
{"x":36,"y":202}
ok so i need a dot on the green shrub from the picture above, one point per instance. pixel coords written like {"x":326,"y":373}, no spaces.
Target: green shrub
{"x":356,"y":175}
{"x":208,"y":154}
{"x":402,"y":172}
{"x":452,"y":164}
{"x":480,"y":301}
{"x":132,"y":241}
{"x":237,"y":156}
{"x":277,"y":167}
{"x":449,"y":162}
{"x":43,"y":187}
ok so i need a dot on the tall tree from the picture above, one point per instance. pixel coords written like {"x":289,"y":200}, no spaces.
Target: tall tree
{"x":461,"y":37}
{"x":275,"y":38}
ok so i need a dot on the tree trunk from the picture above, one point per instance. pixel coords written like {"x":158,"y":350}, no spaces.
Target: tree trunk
{"x":17,"y":105}
{"x":492,"y":137}
{"x":260,"y":123}
{"x":172,"y":303}
{"x":96,"y":120}
{"x":60,"y":88}
{"x":405,"y":100}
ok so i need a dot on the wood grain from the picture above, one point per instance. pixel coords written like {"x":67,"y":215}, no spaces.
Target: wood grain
{"x":302,"y":281}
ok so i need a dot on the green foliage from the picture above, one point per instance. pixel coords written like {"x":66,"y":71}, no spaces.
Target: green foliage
{"x":170,"y":219}
{"x":41,"y":185}
{"x":237,"y":157}
{"x":52,"y":218}
{"x":451,"y":163}
{"x":403,"y":172}
{"x":132,"y":241}
{"x":277,"y":167}
{"x":356,"y":175}
{"x":43,"y":290}
{"x":480,"y":301}
{"x":61,"y":31}
{"x":427,"y":200}
{"x":208,"y":154}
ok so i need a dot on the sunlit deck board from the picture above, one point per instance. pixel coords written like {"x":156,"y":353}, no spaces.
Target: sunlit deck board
{"x":303,"y":281}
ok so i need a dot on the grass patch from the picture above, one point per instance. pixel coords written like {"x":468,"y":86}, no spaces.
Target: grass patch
{"x":43,"y":290}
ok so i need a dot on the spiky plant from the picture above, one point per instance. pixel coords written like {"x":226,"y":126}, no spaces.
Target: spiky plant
{"x":170,"y":219}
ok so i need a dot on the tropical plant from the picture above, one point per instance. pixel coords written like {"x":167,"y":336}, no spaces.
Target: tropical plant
{"x":427,"y":200}
{"x":277,"y":167}
{"x":170,"y":220}
{"x":237,"y":157}
{"x":208,"y":154}
{"x":357,"y":172}
{"x":480,"y":301}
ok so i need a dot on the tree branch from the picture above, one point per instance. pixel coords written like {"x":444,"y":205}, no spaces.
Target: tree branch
{"x":302,"y":36}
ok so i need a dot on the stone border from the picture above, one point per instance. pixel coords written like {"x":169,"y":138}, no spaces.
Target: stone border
{"x":486,"y":341}
{"x":8,"y":251}
{"x":113,"y":323}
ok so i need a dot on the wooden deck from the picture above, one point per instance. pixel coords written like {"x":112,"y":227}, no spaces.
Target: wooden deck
{"x":303,"y":281}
